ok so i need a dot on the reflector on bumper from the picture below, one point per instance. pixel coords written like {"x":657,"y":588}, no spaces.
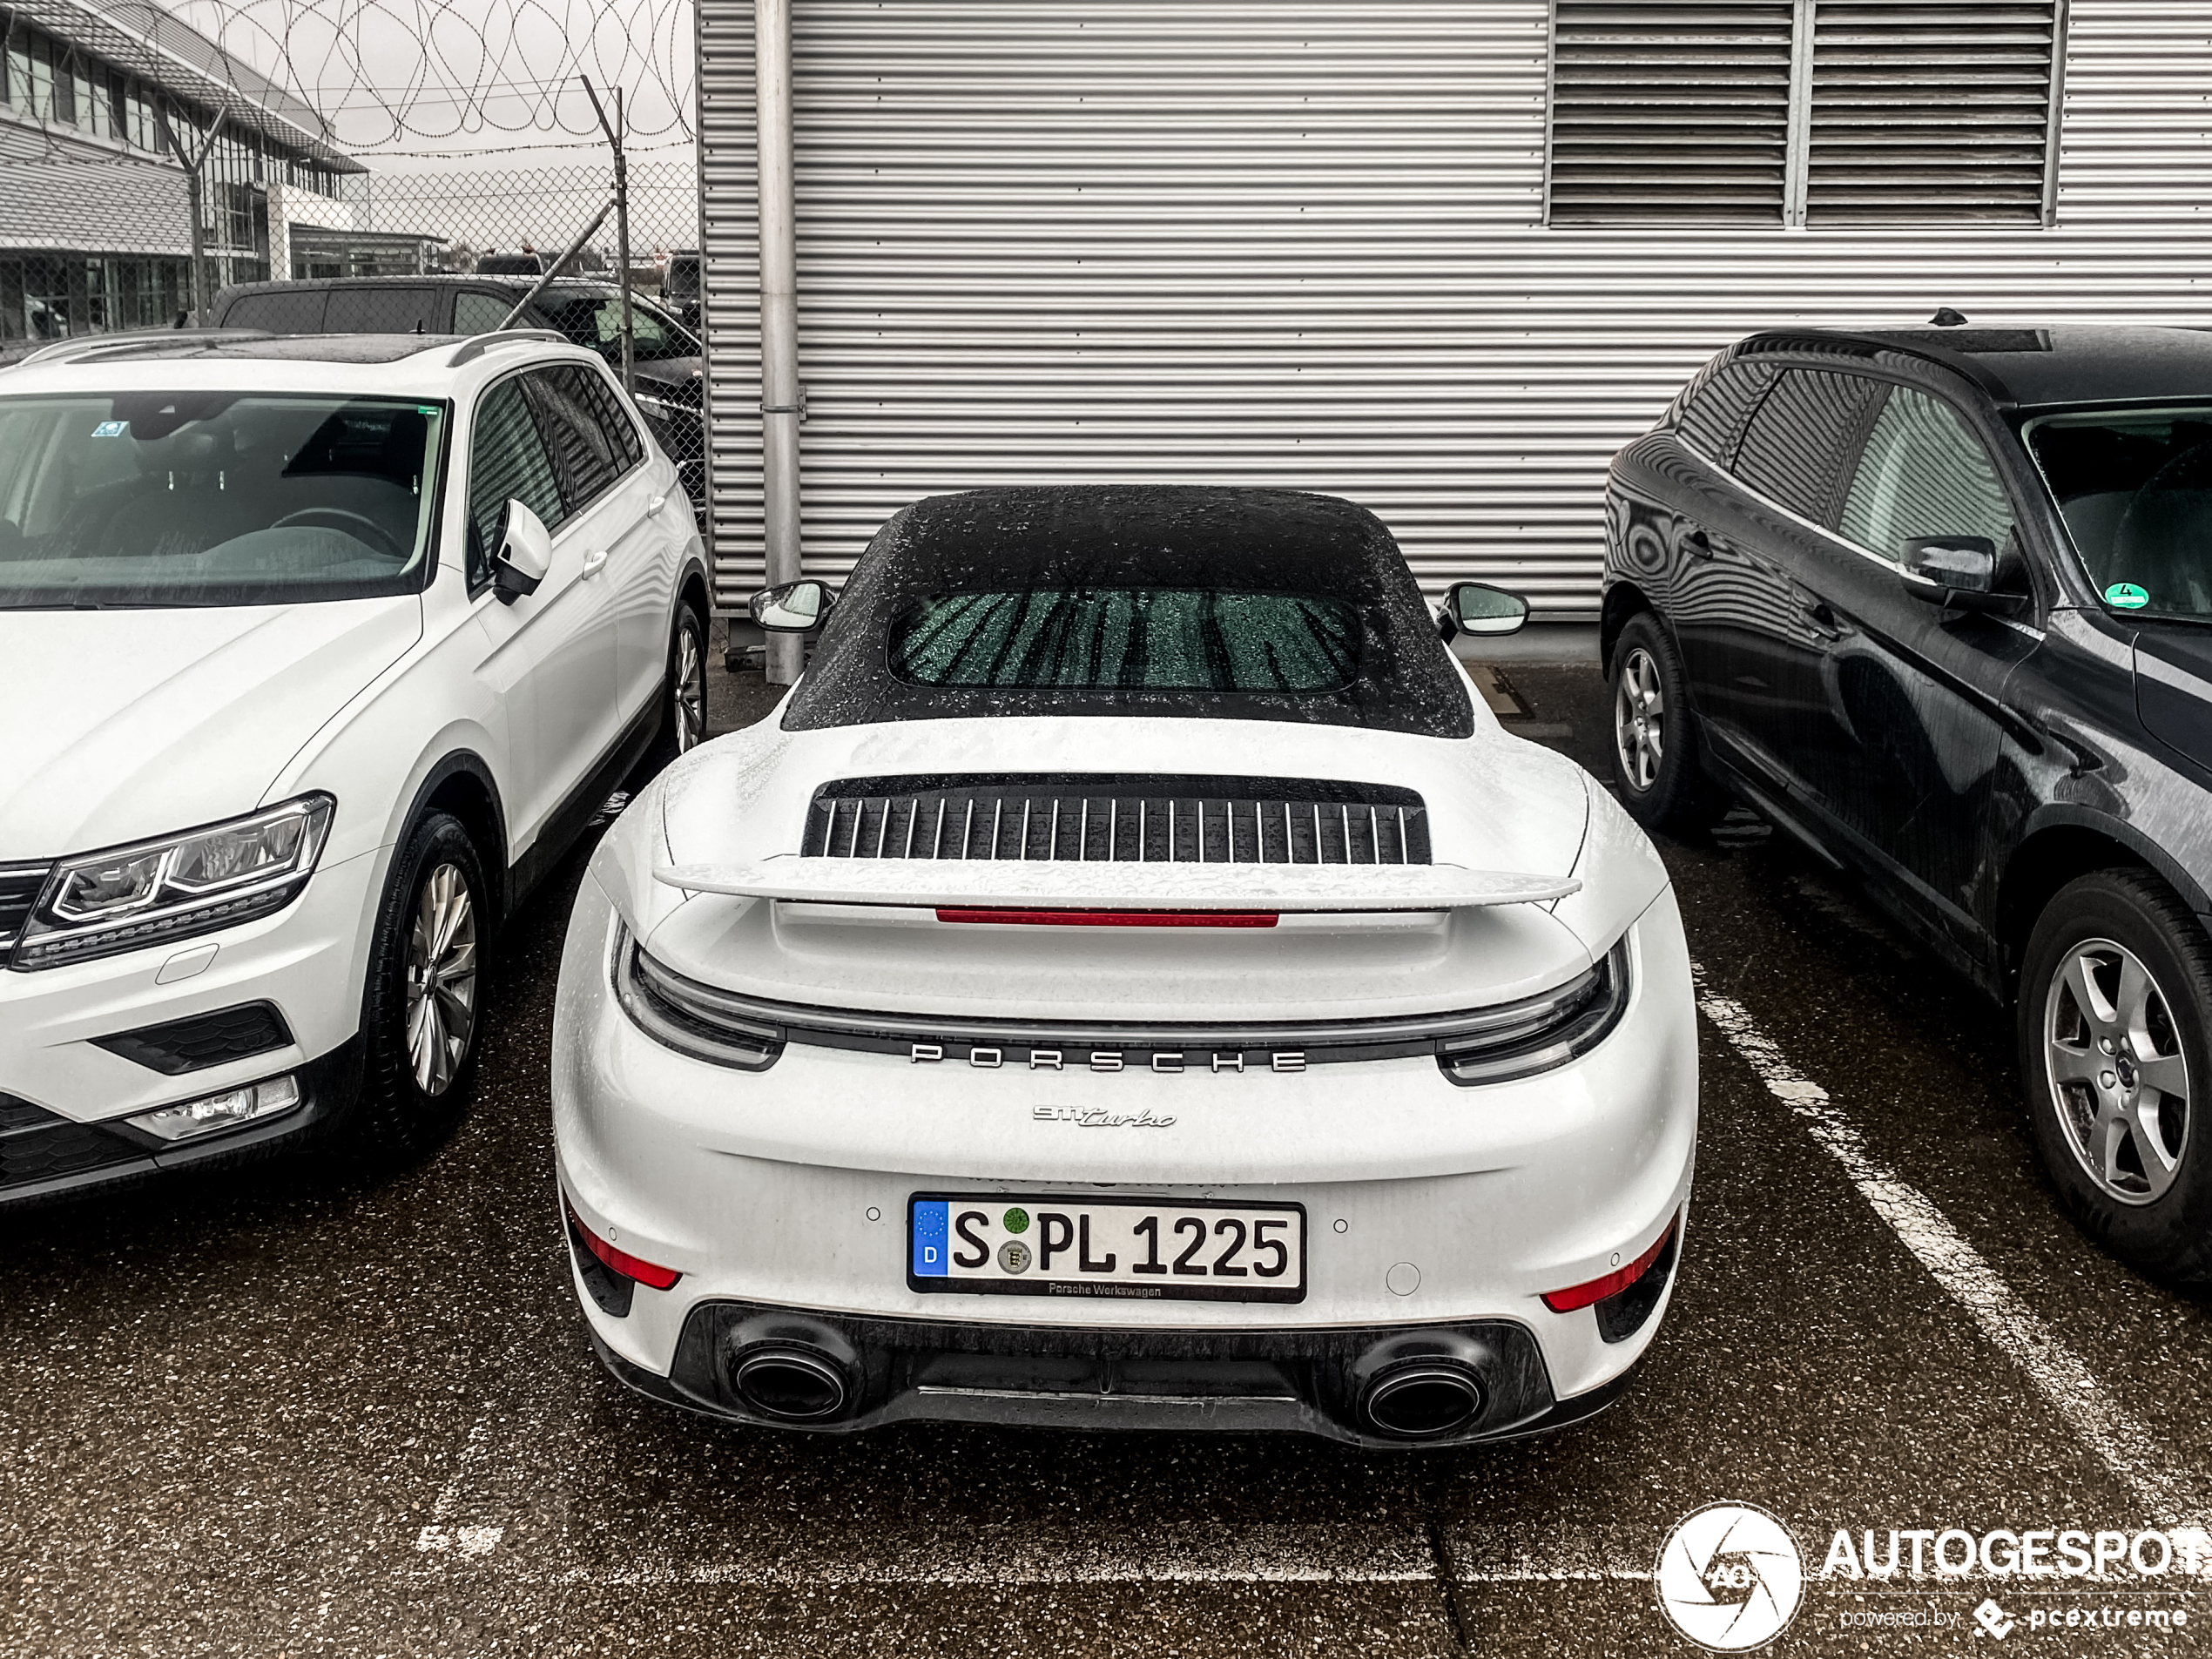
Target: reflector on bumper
{"x":1583,"y":1296}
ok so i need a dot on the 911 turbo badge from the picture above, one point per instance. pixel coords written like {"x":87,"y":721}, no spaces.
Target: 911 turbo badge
{"x":1100,"y":1117}
{"x":1166,"y":813}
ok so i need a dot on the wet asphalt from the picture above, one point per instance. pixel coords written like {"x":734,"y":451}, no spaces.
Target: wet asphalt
{"x":314,"y":1411}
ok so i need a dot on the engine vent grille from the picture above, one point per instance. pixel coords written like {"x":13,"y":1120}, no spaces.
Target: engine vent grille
{"x":20,"y":889}
{"x":1115,"y":818}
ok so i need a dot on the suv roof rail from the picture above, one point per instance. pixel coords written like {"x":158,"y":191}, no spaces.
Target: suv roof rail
{"x":86,"y":346}
{"x":477,"y":345}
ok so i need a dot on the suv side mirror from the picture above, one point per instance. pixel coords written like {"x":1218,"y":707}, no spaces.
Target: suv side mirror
{"x":1962,"y":563}
{"x":1478,"y":608}
{"x":1959,"y":572}
{"x":792,"y":607}
{"x":525,"y":554}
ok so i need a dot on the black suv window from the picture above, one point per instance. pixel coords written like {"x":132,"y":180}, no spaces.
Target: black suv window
{"x":382,"y":311}
{"x":1923,"y":472}
{"x":507,"y":459}
{"x":281,"y":311}
{"x":1796,"y":447}
{"x":1713,"y":419}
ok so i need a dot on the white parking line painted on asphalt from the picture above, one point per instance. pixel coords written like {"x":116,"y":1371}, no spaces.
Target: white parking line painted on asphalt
{"x":1514,"y":1555}
{"x":987,"y":1555}
{"x":2121,"y":1442}
{"x":440,"y":1534}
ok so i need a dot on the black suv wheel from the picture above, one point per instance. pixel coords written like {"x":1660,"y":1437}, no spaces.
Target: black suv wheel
{"x":1655,"y":744}
{"x":2114,"y":1001}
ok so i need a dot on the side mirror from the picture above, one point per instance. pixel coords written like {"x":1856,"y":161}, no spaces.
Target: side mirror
{"x":1953,"y":564}
{"x":792,"y":607}
{"x":525,"y":554}
{"x":1478,"y":608}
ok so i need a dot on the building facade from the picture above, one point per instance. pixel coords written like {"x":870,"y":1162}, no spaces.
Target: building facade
{"x":1443,"y":256}
{"x":99,"y":106}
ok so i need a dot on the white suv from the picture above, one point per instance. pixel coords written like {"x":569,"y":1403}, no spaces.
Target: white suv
{"x":320,"y":652}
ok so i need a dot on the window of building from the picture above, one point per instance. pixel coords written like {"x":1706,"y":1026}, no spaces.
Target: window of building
{"x":1798,"y":112}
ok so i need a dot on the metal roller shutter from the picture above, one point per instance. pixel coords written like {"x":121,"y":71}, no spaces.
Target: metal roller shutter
{"x":1263,"y":242}
{"x":1924,"y":112}
{"x":1661,"y":109}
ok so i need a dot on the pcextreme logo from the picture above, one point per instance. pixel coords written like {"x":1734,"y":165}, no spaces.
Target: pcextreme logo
{"x":1729,"y":1577}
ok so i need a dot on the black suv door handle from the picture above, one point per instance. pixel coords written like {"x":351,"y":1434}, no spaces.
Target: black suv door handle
{"x":1822,"y":618}
{"x":1696,"y":543}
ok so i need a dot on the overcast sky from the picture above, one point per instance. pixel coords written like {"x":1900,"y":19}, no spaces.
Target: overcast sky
{"x":405,"y":82}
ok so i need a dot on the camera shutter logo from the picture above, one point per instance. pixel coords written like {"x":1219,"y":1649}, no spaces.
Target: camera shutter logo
{"x":1729,"y":1577}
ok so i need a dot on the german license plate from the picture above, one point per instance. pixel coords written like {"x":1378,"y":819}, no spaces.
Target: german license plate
{"x":1023,"y":1245}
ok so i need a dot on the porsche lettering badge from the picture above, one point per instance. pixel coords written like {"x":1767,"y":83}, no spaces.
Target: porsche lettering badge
{"x":1165,"y":1062}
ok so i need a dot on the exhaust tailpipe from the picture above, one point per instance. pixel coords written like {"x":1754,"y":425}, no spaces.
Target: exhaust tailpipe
{"x":1423,"y":1398}
{"x":794,"y":1383}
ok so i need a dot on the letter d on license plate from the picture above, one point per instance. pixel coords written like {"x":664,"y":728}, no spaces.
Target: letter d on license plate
{"x":1140,"y":1249}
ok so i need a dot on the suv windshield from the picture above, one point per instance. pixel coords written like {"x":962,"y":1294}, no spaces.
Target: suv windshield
{"x":2135,"y":489}
{"x":213,"y":498}
{"x":592,"y":319}
{"x":1157,"y":639}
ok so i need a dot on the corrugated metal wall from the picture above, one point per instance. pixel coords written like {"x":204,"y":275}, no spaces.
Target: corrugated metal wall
{"x":1263,"y":242}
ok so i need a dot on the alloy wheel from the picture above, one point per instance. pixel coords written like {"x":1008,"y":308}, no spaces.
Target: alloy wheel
{"x":690,"y":690}
{"x":1639,"y":721}
{"x":440,"y":979}
{"x":2119,"y":1079}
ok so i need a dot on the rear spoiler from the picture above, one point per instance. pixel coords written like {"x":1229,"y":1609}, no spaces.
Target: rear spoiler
{"x":962,"y":883}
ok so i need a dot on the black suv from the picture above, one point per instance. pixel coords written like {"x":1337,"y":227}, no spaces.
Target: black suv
{"x":665,"y":356}
{"x":1939,"y":604}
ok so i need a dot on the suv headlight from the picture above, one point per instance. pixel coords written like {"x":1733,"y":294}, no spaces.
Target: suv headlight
{"x":127,"y":898}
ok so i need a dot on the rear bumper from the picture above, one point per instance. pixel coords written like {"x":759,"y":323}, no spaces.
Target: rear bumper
{"x":1310,"y":1382}
{"x":1432,"y":1208}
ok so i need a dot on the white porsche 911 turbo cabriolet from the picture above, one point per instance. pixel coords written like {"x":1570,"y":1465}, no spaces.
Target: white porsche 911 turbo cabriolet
{"x":1130,"y":982}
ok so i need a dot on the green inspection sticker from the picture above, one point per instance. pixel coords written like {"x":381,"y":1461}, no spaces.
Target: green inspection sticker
{"x":1017,"y":1220}
{"x":2126,"y":595}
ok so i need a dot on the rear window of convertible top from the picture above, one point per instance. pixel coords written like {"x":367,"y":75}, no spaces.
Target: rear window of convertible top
{"x":1156,"y":639}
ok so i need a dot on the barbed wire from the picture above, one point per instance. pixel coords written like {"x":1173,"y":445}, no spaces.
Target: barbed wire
{"x":392,"y":76}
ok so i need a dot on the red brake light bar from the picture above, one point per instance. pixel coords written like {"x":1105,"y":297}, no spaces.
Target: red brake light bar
{"x":1582,"y":1296}
{"x":655,"y":1279}
{"x":1116,"y":918}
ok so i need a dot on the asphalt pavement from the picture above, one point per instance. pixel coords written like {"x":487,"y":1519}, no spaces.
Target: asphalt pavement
{"x":313,"y":1410}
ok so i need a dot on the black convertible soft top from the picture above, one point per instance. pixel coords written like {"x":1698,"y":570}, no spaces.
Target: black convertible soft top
{"x":1156,"y":537}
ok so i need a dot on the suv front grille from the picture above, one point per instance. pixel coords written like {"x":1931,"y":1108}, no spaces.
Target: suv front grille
{"x":20,"y":889}
{"x":1117,"y":817}
{"x":39,"y":1145}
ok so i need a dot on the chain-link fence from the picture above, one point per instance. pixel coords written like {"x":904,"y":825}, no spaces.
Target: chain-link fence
{"x":464,"y":252}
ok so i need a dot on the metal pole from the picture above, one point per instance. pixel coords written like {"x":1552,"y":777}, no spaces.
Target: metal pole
{"x":195,"y":197}
{"x":556,"y":267}
{"x":779,"y":322}
{"x":615,"y":134}
{"x":198,"y":248}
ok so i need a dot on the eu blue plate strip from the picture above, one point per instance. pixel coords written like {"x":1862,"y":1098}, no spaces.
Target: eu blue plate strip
{"x":929,"y":1229}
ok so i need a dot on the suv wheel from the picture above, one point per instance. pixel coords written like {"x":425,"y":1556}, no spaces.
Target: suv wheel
{"x":1654,"y":745}
{"x":684,"y":722}
{"x":2112,"y":1008}
{"x":420,"y":1014}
